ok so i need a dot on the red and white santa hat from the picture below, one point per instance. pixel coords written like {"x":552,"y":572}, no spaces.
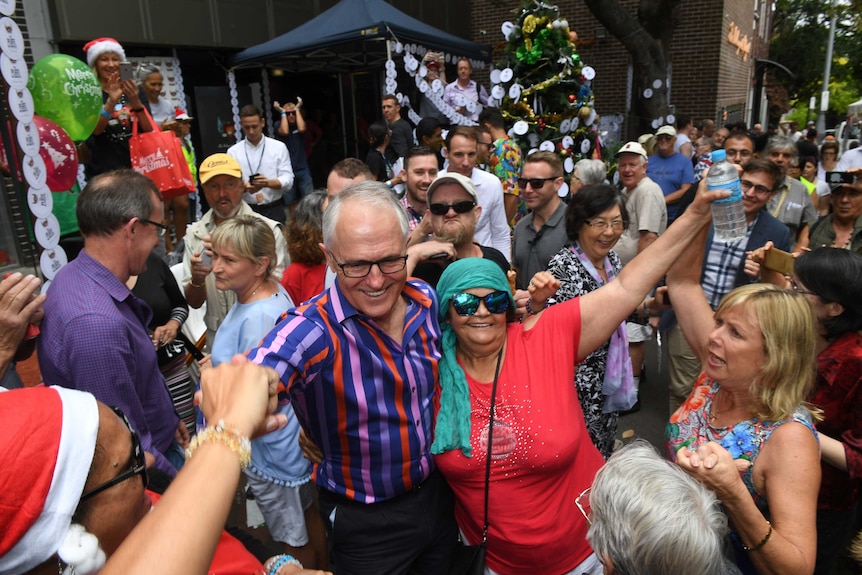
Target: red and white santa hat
{"x":47,"y":441}
{"x":99,"y":46}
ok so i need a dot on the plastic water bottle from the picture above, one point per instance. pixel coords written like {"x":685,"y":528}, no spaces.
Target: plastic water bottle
{"x":728,"y":215}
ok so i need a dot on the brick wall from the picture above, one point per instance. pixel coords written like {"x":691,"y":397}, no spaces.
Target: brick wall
{"x":706,"y":73}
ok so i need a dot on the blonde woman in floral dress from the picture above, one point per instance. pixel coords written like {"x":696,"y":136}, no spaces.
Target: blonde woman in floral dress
{"x":745,"y":430}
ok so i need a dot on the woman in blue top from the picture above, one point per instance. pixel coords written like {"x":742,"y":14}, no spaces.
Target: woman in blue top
{"x":244,"y":257}
{"x":746,"y":431}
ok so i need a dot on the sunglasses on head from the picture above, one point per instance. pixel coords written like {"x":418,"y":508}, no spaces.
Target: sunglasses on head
{"x":466,"y":304}
{"x":139,"y":462}
{"x":459,"y":207}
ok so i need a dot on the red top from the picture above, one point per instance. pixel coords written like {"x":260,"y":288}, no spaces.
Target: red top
{"x":302,"y":281}
{"x":231,"y":557}
{"x":838,"y":393}
{"x":542,"y":459}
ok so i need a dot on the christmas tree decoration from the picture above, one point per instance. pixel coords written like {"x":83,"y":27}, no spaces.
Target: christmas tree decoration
{"x":546,"y":90}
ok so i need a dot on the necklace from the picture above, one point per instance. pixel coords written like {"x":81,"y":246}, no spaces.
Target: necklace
{"x":257,"y":289}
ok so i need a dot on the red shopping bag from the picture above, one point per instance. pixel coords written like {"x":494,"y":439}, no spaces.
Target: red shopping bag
{"x":159,"y":156}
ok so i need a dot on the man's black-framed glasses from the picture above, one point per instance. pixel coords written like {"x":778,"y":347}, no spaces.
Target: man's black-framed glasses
{"x":139,"y":462}
{"x":162,"y":228}
{"x":388,"y":265}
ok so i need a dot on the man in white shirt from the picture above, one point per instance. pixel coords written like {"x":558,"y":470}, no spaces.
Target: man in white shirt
{"x":266,"y":169}
{"x":493,"y":228}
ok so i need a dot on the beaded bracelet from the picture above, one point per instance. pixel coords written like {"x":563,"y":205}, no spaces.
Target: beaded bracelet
{"x":530,"y":308}
{"x":762,"y":541}
{"x":230,"y":436}
{"x":277,"y":562}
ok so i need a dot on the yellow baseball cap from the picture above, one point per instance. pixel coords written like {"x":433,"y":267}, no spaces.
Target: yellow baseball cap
{"x":218,"y":164}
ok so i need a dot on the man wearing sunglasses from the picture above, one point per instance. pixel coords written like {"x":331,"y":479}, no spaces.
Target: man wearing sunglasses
{"x":724,"y":268}
{"x":452,"y":215}
{"x":291,"y":130}
{"x":541,"y":233}
{"x":94,"y":334}
{"x":493,"y":229}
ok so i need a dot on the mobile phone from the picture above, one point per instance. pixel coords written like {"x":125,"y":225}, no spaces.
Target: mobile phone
{"x":126,"y":71}
{"x":664,"y":298}
{"x":835,"y":178}
{"x":779,"y":261}
{"x":252,"y":177}
{"x":206,"y":259}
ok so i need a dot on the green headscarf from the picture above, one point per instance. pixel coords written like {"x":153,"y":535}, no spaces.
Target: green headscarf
{"x":452,"y":430}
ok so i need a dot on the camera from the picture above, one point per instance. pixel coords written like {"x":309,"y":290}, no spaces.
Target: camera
{"x":836,"y":178}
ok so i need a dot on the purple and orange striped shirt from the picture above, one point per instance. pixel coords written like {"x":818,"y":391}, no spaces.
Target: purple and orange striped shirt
{"x":365,"y":400}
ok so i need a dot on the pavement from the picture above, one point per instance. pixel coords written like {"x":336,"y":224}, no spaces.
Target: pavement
{"x":649,"y":422}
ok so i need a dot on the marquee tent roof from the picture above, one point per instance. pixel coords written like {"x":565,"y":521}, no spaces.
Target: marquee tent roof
{"x":350,"y":37}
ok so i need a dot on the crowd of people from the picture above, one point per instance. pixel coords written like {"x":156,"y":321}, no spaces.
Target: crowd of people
{"x":434,"y":351}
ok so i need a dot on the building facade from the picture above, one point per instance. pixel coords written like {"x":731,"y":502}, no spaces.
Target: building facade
{"x":711,"y":61}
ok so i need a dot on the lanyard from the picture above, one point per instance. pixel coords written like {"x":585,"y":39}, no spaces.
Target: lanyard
{"x":259,"y":161}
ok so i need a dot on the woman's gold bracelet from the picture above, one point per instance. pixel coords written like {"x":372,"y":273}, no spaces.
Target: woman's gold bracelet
{"x":222,"y":433}
{"x":762,"y":541}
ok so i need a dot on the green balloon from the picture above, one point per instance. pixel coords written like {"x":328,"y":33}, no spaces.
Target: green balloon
{"x":66,"y":91}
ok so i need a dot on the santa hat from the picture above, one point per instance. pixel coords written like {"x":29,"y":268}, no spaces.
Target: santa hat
{"x":180,"y":114}
{"x":99,"y":46}
{"x":47,"y":443}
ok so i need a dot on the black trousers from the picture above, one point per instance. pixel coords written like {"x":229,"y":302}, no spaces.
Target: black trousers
{"x":273,"y":211}
{"x":413,"y":533}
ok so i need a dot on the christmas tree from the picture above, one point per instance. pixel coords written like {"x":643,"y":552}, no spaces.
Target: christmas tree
{"x":542,"y":87}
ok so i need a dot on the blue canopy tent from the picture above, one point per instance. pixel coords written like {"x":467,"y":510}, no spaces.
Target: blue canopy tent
{"x":354,"y":36}
{"x":350,"y":37}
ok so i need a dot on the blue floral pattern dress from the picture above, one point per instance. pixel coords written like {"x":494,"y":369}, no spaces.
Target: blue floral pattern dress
{"x":689,"y":427}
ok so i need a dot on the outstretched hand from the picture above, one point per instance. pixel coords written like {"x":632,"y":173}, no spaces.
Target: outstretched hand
{"x":20,"y":305}
{"x":242,"y":394}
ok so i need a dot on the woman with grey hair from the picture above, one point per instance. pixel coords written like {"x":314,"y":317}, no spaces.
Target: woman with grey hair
{"x":633,"y":502}
{"x":151,"y":81}
{"x":588,"y":172}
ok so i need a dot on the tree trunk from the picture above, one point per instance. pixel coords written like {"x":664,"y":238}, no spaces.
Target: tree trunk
{"x":647,"y":39}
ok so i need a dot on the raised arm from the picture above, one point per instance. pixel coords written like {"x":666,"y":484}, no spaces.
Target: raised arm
{"x":197,"y":502}
{"x":603,"y":310}
{"x":687,"y":299}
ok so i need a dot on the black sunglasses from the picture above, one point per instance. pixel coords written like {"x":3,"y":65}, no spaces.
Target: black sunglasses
{"x":535,"y":183}
{"x":467,"y":304}
{"x":139,"y":466}
{"x":459,"y":207}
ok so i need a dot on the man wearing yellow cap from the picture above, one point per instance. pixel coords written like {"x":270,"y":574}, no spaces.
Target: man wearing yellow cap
{"x":221,"y":180}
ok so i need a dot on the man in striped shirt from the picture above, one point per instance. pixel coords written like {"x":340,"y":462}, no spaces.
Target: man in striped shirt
{"x":359,"y":363}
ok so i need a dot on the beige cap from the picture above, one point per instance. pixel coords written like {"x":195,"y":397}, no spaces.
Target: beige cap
{"x":632,"y":148}
{"x":452,"y":178}
{"x":666,"y":131}
{"x":219,"y":164}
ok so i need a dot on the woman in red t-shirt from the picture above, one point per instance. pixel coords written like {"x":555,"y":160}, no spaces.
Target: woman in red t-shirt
{"x":542,"y":458}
